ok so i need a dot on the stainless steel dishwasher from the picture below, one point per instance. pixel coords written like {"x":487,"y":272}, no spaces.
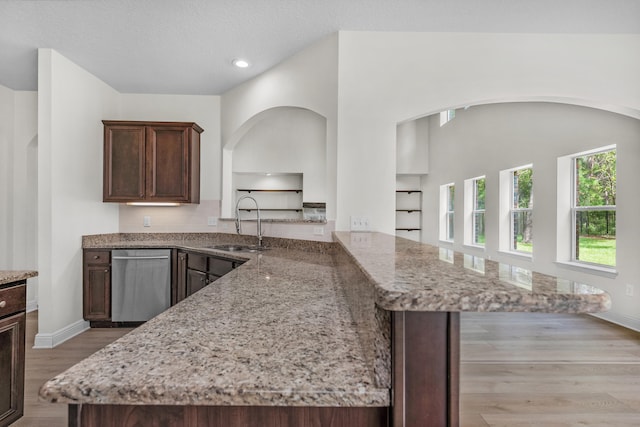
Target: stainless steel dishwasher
{"x":140,"y":283}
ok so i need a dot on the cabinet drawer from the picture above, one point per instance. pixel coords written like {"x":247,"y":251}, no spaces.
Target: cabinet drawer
{"x":219,"y":267}
{"x":197,"y":262}
{"x":13,"y":300}
{"x":97,"y":257}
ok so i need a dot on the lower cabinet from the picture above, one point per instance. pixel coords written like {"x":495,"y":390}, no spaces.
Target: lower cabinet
{"x":12,"y":336}
{"x":191,"y":271}
{"x":201,"y":270}
{"x":196,"y":280}
{"x":96,"y":298}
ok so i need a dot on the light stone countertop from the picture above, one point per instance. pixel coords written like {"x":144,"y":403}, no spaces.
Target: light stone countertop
{"x":278,"y":331}
{"x":10,"y":276}
{"x":411,"y":276}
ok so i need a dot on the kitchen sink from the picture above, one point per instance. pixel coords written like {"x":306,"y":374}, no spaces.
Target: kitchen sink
{"x":238,"y":248}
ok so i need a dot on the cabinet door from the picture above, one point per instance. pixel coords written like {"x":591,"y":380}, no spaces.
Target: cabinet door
{"x":167,"y":163}
{"x":97,"y":292}
{"x":180,"y":286}
{"x":124,"y":163}
{"x":220,"y":266}
{"x":11,"y":368}
{"x":196,"y":280}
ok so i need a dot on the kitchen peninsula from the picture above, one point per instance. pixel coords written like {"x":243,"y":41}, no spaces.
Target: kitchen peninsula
{"x":306,"y":333}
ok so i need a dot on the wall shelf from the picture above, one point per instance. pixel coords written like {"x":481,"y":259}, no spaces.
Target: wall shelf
{"x":260,"y":190}
{"x":272,"y":210}
{"x":408,"y":207}
{"x":279,"y":195}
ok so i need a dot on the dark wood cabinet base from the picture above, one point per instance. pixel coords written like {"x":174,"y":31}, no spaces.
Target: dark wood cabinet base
{"x":426,"y":369}
{"x":110,"y":324}
{"x":224,"y":416}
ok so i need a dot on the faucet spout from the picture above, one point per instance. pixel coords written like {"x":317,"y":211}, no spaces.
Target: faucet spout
{"x":238,"y":221}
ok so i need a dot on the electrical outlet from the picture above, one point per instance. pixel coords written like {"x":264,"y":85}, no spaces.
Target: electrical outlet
{"x":212,"y":220}
{"x":318,"y":231}
{"x":146,"y":221}
{"x":630,"y":290}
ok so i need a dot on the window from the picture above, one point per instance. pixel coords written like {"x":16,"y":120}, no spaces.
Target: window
{"x":447,"y":199}
{"x":521,"y":210}
{"x":446,"y":116}
{"x":478,"y":236}
{"x":451,"y":192}
{"x":594,"y":207}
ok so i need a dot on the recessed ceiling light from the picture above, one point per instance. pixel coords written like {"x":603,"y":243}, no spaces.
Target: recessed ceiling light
{"x":240,"y":63}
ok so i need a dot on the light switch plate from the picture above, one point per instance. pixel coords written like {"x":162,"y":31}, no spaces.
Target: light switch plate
{"x":146,"y":221}
{"x":360,"y":223}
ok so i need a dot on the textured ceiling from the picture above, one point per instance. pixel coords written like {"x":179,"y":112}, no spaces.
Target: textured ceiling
{"x":186,"y":46}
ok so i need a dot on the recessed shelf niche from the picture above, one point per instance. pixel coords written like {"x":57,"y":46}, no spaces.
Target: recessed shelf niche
{"x":409,"y":207}
{"x":279,"y":195}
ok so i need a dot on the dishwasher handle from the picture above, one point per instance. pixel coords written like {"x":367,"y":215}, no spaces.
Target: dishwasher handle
{"x":141,"y":257}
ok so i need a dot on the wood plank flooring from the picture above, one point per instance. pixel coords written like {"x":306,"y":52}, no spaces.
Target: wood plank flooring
{"x":531,"y":369}
{"x":44,"y":364}
{"x":518,"y":369}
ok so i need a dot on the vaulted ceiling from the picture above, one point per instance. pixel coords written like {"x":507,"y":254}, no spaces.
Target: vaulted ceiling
{"x":187,"y":46}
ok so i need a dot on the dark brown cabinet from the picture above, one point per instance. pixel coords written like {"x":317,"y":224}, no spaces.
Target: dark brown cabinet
{"x":191,"y":271}
{"x":12,"y":336}
{"x":151,"y":162}
{"x":201,"y":270}
{"x":96,"y":285}
{"x":179,"y":280}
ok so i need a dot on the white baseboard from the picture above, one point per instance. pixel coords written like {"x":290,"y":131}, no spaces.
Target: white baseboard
{"x":620,"y":319}
{"x":61,"y":335}
{"x":32,"y":305}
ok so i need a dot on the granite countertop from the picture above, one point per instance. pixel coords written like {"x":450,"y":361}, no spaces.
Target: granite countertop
{"x":10,"y":276}
{"x":276,"y":331}
{"x":411,"y":276}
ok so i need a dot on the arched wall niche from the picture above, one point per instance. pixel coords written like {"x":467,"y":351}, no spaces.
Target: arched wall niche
{"x":257,"y":147}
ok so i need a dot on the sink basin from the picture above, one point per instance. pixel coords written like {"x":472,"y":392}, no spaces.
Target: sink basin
{"x":238,"y":248}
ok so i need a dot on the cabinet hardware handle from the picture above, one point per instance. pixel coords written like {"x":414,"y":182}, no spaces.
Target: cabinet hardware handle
{"x":3,"y":304}
{"x":106,"y":270}
{"x":96,"y":256}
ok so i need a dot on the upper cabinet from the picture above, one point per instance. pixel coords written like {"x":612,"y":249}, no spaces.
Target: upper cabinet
{"x":151,"y":162}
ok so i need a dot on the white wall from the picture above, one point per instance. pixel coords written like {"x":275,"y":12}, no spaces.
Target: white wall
{"x":6,"y":171}
{"x":307,"y":80}
{"x":485,"y":140}
{"x":18,"y":184}
{"x":387,"y":78}
{"x":412,"y":148}
{"x":292,"y":140}
{"x":25,"y":189}
{"x":204,"y":110}
{"x":71,"y":105}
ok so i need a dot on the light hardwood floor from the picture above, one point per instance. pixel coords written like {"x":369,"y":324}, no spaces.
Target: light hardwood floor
{"x":531,"y":369}
{"x":43,"y":364}
{"x":517,"y":370}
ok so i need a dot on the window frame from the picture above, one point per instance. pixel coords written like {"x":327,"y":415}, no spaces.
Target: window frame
{"x":475,"y":211}
{"x":514,"y":210}
{"x":449,"y":212}
{"x":444,"y":214}
{"x":574,"y":208}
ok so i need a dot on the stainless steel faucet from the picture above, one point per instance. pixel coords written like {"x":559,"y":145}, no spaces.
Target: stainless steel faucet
{"x":238,"y":226}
